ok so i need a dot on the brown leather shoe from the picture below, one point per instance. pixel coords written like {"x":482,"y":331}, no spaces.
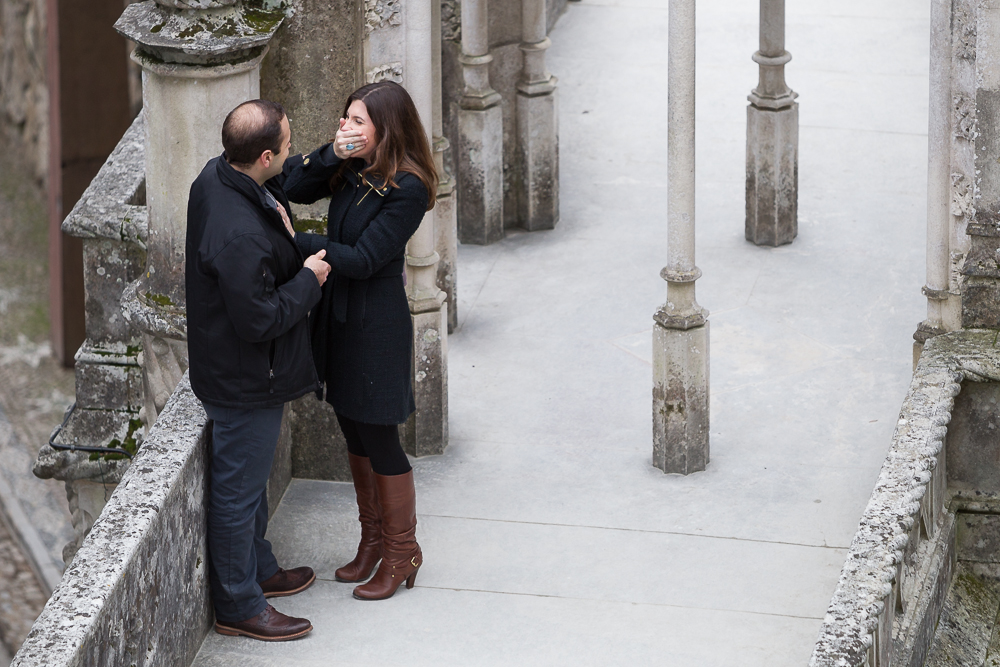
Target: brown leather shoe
{"x":287,"y":582}
{"x":269,"y":625}
{"x":401,"y":556}
{"x":370,"y":548}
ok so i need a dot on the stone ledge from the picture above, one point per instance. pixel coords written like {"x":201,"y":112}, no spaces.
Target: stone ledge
{"x":857,"y":628}
{"x":143,"y":565}
{"x":114,"y":204}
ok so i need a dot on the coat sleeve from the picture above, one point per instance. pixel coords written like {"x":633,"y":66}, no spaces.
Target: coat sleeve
{"x":259,"y":310}
{"x":385,"y":236}
{"x":307,"y":179}
{"x":310,"y":244}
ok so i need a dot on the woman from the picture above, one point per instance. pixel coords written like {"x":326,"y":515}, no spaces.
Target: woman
{"x":380,"y":176}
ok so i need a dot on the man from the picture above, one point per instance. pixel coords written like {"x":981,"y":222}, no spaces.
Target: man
{"x":248,"y":293}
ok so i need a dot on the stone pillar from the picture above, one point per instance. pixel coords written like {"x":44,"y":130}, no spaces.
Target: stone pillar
{"x":480,"y":129}
{"x":537,"y":124}
{"x":680,"y":333}
{"x":426,"y":432}
{"x":772,"y":138}
{"x":197,"y":64}
{"x":938,"y":178}
{"x":981,"y":290}
{"x":445,"y":214}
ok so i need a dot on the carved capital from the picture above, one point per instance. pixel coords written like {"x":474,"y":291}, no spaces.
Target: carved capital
{"x":381,"y":13}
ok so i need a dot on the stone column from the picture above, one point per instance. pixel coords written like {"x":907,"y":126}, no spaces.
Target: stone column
{"x":480,"y":141}
{"x":938,"y":178}
{"x":537,"y":124}
{"x":197,"y":64}
{"x":981,"y":289}
{"x":772,"y":138}
{"x":445,"y":214}
{"x":680,"y":333}
{"x":426,"y":432}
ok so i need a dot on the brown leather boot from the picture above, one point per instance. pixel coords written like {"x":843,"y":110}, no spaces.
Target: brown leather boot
{"x":370,"y":548}
{"x":401,"y":557}
{"x":269,"y":625}
{"x":288,"y":582}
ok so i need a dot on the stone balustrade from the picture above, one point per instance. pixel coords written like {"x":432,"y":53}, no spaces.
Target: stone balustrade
{"x":900,"y":563}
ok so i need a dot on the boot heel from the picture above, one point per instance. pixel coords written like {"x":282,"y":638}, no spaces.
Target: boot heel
{"x":410,"y":580}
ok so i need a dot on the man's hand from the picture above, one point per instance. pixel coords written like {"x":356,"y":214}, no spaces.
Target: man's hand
{"x":318,"y":266}
{"x":284,"y":216}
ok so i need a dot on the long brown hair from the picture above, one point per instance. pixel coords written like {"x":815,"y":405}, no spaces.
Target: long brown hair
{"x":402,"y":144}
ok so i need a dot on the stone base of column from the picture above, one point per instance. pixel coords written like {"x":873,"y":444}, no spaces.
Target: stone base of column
{"x":981,"y":287}
{"x":480,"y":175}
{"x":319,"y":450}
{"x":426,"y":431}
{"x":680,"y":399}
{"x":925,"y":331}
{"x":538,"y":141}
{"x":772,"y":175}
{"x":446,"y":244}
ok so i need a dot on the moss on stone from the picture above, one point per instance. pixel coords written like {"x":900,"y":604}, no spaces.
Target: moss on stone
{"x":160,"y":299}
{"x":129,"y":444}
{"x":311,"y":225}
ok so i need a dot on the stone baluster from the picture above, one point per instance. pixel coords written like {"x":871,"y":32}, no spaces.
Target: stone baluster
{"x":938,"y":178}
{"x":772,"y":138}
{"x":445,"y":220}
{"x":480,"y":128}
{"x":680,"y":333}
{"x":426,"y":432}
{"x":537,"y":124}
{"x":199,"y":60}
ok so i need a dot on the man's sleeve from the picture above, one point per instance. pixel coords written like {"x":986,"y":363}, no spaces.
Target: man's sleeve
{"x":258,"y":309}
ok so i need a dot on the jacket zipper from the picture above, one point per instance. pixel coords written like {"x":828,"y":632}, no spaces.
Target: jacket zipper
{"x":270,"y":369}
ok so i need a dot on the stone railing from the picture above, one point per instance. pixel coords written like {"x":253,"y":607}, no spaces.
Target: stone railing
{"x":897,"y":569}
{"x":137,"y":591}
{"x":111,"y":218}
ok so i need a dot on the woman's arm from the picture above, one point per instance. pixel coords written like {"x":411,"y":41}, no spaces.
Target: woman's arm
{"x":307,"y":179}
{"x":310,"y":244}
{"x":385,"y":237}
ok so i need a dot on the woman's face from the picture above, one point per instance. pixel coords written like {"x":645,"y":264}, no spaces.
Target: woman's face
{"x":358,"y":120}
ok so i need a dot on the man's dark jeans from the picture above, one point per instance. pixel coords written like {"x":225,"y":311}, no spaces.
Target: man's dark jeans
{"x":243,"y":444}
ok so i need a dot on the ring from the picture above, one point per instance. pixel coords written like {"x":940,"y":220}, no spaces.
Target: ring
{"x":349,"y":147}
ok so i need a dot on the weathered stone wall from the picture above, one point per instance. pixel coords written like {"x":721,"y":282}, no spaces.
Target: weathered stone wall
{"x":313,"y":64}
{"x":505,"y":70}
{"x":137,"y":592}
{"x":23,"y":92}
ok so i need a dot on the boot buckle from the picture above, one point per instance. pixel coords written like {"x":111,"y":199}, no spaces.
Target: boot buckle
{"x":413,"y":562}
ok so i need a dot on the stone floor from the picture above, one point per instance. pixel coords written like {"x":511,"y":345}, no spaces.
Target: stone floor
{"x":549,"y":538}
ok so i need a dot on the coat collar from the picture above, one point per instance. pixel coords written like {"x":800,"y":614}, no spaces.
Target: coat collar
{"x":353,"y":175}
{"x":243,"y":183}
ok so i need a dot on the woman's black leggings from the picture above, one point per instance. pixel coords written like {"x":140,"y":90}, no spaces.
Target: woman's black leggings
{"x":378,"y":442}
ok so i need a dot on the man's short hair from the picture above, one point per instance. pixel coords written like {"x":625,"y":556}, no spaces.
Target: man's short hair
{"x":250,"y":129}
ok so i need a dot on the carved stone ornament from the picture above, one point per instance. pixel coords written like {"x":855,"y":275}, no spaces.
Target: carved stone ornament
{"x":964,"y":118}
{"x":451,"y":21}
{"x":964,"y":32}
{"x":961,"y":196}
{"x":389,"y":72}
{"x":380,"y":13}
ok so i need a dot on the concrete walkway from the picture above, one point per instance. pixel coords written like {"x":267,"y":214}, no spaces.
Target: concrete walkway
{"x":549,"y":538}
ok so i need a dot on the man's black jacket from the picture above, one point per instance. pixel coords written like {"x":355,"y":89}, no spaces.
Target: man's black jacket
{"x":247,"y":294}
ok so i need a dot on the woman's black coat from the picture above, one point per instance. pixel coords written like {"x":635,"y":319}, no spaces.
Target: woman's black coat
{"x":362,"y":331}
